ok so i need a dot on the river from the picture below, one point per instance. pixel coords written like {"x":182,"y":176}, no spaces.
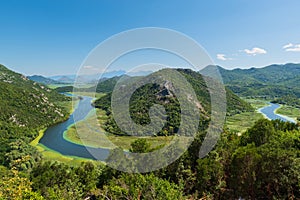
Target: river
{"x":53,"y":136}
{"x":269,"y":112}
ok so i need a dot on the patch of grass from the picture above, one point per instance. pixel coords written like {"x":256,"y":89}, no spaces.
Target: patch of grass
{"x":53,"y":86}
{"x":89,"y":94}
{"x":239,"y":123}
{"x":51,"y":155}
{"x":257,"y":103}
{"x":36,"y":141}
{"x":91,"y":134}
{"x":289,"y":111}
{"x":125,"y":141}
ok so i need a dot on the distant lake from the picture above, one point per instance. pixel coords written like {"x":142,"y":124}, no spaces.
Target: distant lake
{"x":269,"y":112}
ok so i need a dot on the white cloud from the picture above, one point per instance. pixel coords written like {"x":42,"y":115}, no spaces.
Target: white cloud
{"x":89,"y":67}
{"x":287,"y":46}
{"x":292,"y":47}
{"x":255,"y":51}
{"x":222,"y":57}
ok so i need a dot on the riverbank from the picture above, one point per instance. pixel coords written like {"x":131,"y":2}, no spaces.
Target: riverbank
{"x":289,"y":111}
{"x":51,"y":155}
{"x":69,"y":105}
{"x":239,"y":123}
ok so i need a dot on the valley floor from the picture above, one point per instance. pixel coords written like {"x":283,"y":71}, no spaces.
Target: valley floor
{"x":238,"y":123}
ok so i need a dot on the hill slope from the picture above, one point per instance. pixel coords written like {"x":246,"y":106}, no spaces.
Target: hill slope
{"x":271,"y":81}
{"x":25,"y":103}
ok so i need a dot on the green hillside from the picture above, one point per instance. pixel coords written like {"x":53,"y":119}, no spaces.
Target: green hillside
{"x":25,"y":103}
{"x":270,"y":81}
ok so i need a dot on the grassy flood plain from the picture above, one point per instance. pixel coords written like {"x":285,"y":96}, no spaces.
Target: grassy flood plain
{"x":289,"y":111}
{"x":239,"y":123}
{"x":91,"y":134}
{"x":99,"y":139}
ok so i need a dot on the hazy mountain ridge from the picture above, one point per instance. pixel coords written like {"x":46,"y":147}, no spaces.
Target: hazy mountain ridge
{"x":43,"y":80}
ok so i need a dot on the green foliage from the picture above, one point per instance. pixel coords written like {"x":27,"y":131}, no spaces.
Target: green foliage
{"x":259,"y":134}
{"x":18,"y":150}
{"x":15,"y":185}
{"x":64,"y":89}
{"x":271,"y":81}
{"x":60,"y":181}
{"x":26,"y":107}
{"x":290,"y":100}
{"x":264,"y":129}
{"x":137,"y":186}
{"x":267,"y":169}
{"x":140,"y":146}
{"x":107,"y":85}
{"x":210,"y":176}
{"x":25,"y":103}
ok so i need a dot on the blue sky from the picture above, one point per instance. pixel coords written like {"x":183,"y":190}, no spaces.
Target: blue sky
{"x":54,"y":37}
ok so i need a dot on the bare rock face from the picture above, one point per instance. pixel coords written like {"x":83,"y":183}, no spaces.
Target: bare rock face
{"x":166,"y":90}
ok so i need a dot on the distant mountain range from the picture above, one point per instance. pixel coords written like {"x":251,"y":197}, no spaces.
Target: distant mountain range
{"x":43,"y":80}
{"x":95,"y":77}
{"x":270,"y":81}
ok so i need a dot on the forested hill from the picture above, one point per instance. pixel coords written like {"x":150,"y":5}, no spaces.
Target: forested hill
{"x":270,"y":81}
{"x":144,"y":97}
{"x":234,"y":103}
{"x":25,"y":103}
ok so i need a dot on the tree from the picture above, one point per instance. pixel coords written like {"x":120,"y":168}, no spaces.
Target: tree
{"x":243,"y":171}
{"x":140,"y":146}
{"x":15,"y":186}
{"x":258,"y":134}
{"x":137,"y":186}
{"x":56,"y":181}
